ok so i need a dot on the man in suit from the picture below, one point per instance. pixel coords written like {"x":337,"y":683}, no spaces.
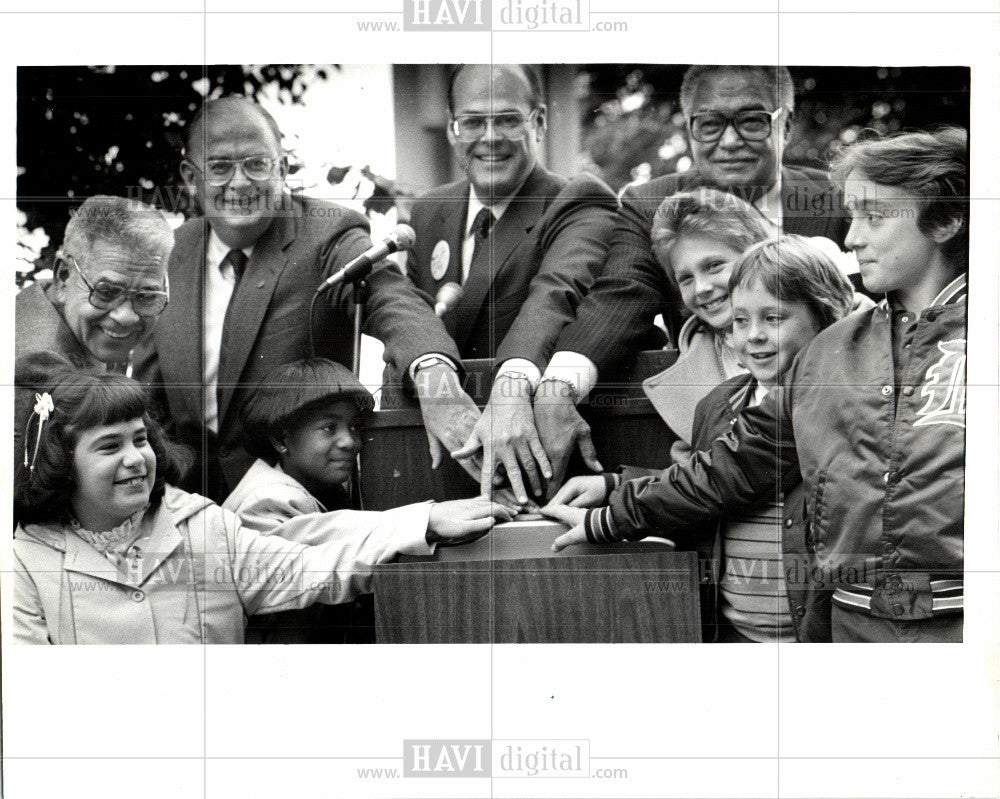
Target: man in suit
{"x":524,"y":243}
{"x":243,"y":276}
{"x":738,"y":121}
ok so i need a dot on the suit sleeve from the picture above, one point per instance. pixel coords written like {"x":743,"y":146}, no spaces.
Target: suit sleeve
{"x":575,"y":246}
{"x":738,"y":471}
{"x":396,"y":312}
{"x":615,"y":319}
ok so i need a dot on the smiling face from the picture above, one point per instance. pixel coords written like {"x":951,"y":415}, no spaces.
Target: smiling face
{"x":701,"y":266}
{"x":732,"y":163}
{"x":495,"y":165}
{"x":114,"y":468}
{"x":320,"y":451}
{"x":768,"y":332}
{"x":893,"y":254}
{"x":109,"y":335}
{"x":242,"y":209}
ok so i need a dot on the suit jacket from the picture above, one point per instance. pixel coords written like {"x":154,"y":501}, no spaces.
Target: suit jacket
{"x":615,"y":321}
{"x":546,"y":250}
{"x":269,"y":314}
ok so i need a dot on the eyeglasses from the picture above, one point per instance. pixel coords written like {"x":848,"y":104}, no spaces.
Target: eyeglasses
{"x":108,"y":296}
{"x":750,"y":125}
{"x":219,"y":171}
{"x":509,"y":125}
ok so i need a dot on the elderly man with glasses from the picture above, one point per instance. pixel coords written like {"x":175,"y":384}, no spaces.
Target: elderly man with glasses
{"x":108,"y":289}
{"x":524,"y":244}
{"x":738,"y":122}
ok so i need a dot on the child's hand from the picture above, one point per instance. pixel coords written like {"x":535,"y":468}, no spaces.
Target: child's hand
{"x":567,"y":515}
{"x":582,"y":492}
{"x":463,"y":520}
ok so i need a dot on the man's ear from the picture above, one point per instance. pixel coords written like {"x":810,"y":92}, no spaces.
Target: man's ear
{"x":543,"y":121}
{"x":946,"y":231}
{"x":187,"y":171}
{"x":788,"y":125}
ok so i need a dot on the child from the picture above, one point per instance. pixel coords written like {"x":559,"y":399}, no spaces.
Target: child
{"x":783,"y":293}
{"x":871,"y":415}
{"x":107,"y":552}
{"x":303,"y":422}
{"x":696,"y":238}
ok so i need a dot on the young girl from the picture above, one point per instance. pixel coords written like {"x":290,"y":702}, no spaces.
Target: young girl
{"x":304,"y":422}
{"x":107,"y":552}
{"x":696,"y":237}
{"x":783,"y":292}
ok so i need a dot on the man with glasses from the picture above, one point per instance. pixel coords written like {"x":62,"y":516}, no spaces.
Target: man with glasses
{"x":243,"y":276}
{"x":524,"y":243}
{"x":108,"y":290}
{"x":738,"y":121}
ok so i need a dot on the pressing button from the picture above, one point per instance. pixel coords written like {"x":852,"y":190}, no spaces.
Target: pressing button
{"x":138,"y":596}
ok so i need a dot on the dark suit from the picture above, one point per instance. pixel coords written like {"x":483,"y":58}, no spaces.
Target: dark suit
{"x":268,"y":320}
{"x":546,"y":250}
{"x":615,"y":321}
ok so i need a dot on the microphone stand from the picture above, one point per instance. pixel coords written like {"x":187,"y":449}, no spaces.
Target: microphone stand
{"x":359,"y":295}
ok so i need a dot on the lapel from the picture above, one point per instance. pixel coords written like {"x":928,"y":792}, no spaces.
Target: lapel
{"x":82,"y":558}
{"x":164,"y":539}
{"x":251,"y":300}
{"x":180,"y":362}
{"x":507,"y":234}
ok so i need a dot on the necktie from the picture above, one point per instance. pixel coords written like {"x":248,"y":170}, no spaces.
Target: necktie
{"x":238,"y":260}
{"x":480,"y":231}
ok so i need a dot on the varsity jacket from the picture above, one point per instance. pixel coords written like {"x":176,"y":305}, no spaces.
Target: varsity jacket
{"x":882,"y":464}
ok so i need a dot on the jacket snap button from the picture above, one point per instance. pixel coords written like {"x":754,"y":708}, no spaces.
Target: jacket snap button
{"x":885,"y":477}
{"x":908,"y":391}
{"x":897,"y":609}
{"x":800,"y":611}
{"x":886,"y":391}
{"x":138,"y":596}
{"x":789,"y":522}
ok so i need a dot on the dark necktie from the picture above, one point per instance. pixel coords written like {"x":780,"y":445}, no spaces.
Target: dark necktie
{"x":238,"y":260}
{"x":480,"y":231}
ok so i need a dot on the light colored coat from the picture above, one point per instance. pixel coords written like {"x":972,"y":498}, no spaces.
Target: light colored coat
{"x":201,"y":574}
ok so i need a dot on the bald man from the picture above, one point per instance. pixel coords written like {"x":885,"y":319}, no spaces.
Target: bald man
{"x":242,"y":277}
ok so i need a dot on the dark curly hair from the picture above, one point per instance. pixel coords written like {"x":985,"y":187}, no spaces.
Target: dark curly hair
{"x":83,"y":399}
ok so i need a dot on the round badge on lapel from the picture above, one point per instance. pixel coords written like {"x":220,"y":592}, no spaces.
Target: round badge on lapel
{"x":439,"y":259}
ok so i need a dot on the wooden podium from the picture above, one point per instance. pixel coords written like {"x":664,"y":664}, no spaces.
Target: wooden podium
{"x":509,"y":587}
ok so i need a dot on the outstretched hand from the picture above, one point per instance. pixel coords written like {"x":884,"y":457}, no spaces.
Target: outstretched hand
{"x":505,"y":434}
{"x":586,"y":491}
{"x":462,"y":520}
{"x":561,"y":429}
{"x":567,"y":515}
{"x":449,"y":414}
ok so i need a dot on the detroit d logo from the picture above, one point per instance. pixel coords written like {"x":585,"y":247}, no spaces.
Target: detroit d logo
{"x":944,"y":387}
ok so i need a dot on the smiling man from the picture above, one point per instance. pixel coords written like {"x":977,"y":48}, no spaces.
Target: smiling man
{"x":738,"y":123}
{"x":244,"y":275}
{"x":524,"y":243}
{"x":108,"y":288}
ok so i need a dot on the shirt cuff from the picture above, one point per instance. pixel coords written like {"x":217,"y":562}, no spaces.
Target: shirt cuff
{"x":523,"y":368}
{"x":412,"y":536}
{"x":572,"y":367}
{"x":430,"y":356}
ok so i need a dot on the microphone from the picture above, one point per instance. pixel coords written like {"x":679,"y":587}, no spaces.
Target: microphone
{"x":448,"y":297}
{"x":402,"y":238}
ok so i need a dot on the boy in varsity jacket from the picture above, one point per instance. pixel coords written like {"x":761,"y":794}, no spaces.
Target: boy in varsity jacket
{"x":871,"y":415}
